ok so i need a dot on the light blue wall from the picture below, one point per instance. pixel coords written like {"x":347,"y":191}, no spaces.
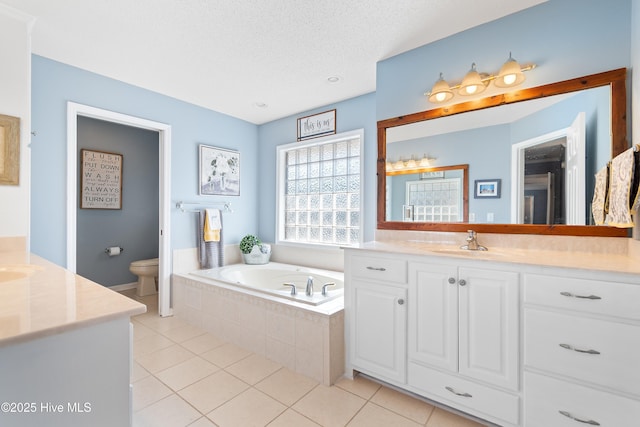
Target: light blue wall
{"x":355,"y":113}
{"x":54,"y":83}
{"x":566,"y":38}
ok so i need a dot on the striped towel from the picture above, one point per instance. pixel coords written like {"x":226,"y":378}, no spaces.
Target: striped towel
{"x":211,"y":254}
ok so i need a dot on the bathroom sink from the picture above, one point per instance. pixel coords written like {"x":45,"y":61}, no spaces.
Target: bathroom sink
{"x":15,"y":272}
{"x":467,"y":252}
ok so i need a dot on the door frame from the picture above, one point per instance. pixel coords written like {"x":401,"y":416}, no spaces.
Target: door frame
{"x":164,"y":138}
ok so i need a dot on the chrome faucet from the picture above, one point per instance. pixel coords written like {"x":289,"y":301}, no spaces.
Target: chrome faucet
{"x":472,"y":242}
{"x":309,"y":291}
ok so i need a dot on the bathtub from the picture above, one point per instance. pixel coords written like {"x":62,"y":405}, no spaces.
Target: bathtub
{"x":270,"y":279}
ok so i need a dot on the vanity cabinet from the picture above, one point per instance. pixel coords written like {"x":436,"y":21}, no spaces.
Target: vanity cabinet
{"x":463,"y":329}
{"x":378,"y":322}
{"x":582,"y":340}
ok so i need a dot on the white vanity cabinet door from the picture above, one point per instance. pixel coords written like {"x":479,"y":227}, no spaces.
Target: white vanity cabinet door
{"x":433,"y":315}
{"x":378,"y":329}
{"x":465,"y":320}
{"x":489,"y":326}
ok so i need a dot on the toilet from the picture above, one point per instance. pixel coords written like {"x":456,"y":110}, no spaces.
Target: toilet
{"x":147,"y":272}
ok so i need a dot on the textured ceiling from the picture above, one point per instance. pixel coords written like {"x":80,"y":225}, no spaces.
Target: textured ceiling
{"x":229,"y":56}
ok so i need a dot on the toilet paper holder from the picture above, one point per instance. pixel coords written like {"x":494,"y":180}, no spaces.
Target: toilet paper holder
{"x":110,"y":249}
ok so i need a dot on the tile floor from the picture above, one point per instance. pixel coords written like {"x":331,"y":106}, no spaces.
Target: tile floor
{"x":184,"y":376}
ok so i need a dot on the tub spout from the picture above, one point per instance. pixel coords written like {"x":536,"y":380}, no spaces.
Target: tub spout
{"x":309,"y":291}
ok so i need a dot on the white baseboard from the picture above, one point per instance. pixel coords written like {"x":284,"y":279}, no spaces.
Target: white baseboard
{"x":124,"y":286}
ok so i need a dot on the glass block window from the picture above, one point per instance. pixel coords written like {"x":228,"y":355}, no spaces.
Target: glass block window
{"x":435,"y":200}
{"x":320,"y":190}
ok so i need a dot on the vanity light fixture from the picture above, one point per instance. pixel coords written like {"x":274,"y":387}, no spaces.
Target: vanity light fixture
{"x":511,"y":74}
{"x":404,"y":165}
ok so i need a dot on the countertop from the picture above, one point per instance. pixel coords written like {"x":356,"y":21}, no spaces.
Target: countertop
{"x":39,"y":298}
{"x":615,"y":263}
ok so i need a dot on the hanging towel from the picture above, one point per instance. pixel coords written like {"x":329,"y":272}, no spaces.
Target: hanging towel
{"x":620,"y":183}
{"x":211,"y":254}
{"x":212,"y":225}
{"x":635,"y":189}
{"x":599,"y":205}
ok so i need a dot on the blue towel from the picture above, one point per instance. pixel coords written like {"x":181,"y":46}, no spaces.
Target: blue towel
{"x":211,"y":254}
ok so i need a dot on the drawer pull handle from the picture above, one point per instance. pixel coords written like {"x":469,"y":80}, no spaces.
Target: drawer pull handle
{"x":590,"y":422}
{"x":377,"y":268}
{"x":570,"y":347}
{"x":569,"y":294}
{"x":457,"y":393}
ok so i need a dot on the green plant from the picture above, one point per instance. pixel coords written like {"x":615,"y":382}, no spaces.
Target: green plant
{"x":248,"y":242}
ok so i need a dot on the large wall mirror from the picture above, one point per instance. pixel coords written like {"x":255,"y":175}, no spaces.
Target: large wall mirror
{"x":522,"y":162}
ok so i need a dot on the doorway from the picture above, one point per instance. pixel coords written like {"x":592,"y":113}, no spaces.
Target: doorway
{"x":164,"y":181}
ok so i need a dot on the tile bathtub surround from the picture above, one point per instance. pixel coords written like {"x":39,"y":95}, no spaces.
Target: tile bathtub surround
{"x":221,"y":384}
{"x":307,"y":342}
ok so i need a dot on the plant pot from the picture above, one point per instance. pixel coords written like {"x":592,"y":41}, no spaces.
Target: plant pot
{"x":258,"y":255}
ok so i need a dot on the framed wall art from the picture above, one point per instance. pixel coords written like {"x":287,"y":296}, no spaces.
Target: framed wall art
{"x":219,"y":171}
{"x":487,"y":189}
{"x":9,"y":150}
{"x":101,"y":180}
{"x":317,"y":125}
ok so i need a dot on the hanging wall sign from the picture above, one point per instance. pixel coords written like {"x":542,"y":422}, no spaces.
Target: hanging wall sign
{"x":101,"y":180}
{"x":317,"y":125}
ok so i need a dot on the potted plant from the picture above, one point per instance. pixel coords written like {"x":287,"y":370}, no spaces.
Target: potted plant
{"x":254,"y":251}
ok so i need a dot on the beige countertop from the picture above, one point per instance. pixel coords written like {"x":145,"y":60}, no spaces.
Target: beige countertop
{"x":618,"y":263}
{"x":39,"y":298}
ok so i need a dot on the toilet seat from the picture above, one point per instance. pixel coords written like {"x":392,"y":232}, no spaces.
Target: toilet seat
{"x":153,"y":262}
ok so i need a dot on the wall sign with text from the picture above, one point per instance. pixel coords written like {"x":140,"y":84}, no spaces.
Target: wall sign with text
{"x":317,"y":125}
{"x":101,"y":180}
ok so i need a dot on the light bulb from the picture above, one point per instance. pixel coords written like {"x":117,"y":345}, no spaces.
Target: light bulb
{"x":509,"y":79}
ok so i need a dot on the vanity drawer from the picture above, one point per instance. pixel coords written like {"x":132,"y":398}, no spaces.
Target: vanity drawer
{"x":452,"y":388}
{"x":589,"y":296}
{"x":547,"y":399}
{"x":597,"y":351}
{"x":379,"y":268}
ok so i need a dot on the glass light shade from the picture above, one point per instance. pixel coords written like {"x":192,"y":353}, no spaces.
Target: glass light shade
{"x":510,"y":74}
{"x":472,"y":83}
{"x":440,"y":92}
{"x":398,"y":165}
{"x":425,"y":162}
{"x":411,"y":164}
{"x":388,"y":166}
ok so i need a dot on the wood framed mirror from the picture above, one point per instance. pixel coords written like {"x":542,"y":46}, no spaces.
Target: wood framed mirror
{"x":414,"y":134}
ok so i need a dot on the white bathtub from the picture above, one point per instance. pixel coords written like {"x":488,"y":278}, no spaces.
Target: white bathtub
{"x":270,"y":279}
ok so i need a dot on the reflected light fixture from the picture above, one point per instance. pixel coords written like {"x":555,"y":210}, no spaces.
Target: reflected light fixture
{"x":511,"y":74}
{"x":404,"y":165}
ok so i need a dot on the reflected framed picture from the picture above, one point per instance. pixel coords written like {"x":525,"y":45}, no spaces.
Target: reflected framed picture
{"x":487,"y":188}
{"x":219,"y":172}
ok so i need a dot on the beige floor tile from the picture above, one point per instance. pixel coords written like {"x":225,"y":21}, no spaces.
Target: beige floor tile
{"x":183,"y":333}
{"x":286,"y":386}
{"x":226,"y":354}
{"x":250,"y":408}
{"x":212,"y":391}
{"x":202,"y":422}
{"x":147,"y":391}
{"x":150,"y":344}
{"x":442,"y":418}
{"x":202,"y":343}
{"x":171,"y":411}
{"x":141,"y":331}
{"x":291,"y":418}
{"x":329,"y":406}
{"x":186,"y":373}
{"x":359,"y":385}
{"x":400,"y":403}
{"x":253,"y":368}
{"x":160,"y":324}
{"x":373,"y":415}
{"x":138,"y":372}
{"x":164,"y":358}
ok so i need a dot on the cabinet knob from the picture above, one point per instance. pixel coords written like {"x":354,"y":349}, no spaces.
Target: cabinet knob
{"x":452,"y":280}
{"x":401,"y":301}
{"x":462,"y":282}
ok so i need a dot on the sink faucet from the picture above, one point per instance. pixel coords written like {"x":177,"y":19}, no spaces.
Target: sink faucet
{"x":472,"y":242}
{"x":309,"y":291}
